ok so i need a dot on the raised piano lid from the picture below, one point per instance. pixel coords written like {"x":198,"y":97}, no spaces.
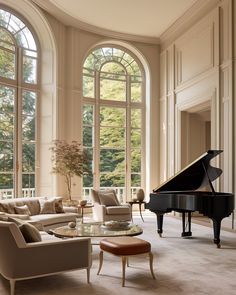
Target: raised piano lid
{"x":196,"y":175}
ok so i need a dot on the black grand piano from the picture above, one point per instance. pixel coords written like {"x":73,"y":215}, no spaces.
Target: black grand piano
{"x":181,"y":193}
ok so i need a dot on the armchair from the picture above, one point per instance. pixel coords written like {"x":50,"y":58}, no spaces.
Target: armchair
{"x":20,"y":260}
{"x":107,"y":207}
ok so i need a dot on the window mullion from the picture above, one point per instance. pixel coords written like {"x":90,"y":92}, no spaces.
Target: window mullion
{"x":18,"y":131}
{"x":96,"y":133}
{"x":128,"y":141}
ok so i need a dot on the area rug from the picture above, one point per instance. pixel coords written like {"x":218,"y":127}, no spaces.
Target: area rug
{"x":181,"y":265}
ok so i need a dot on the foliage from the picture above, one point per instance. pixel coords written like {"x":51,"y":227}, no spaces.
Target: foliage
{"x":69,"y":160}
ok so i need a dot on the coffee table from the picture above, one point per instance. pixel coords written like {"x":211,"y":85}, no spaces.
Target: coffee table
{"x":94,"y":230}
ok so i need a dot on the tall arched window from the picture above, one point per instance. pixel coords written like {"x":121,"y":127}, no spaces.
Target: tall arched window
{"x":113,"y":120}
{"x":18,"y":106}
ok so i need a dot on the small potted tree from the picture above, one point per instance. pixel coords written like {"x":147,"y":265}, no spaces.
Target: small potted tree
{"x":69,"y":160}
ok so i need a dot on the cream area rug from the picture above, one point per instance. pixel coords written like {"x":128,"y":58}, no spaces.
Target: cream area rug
{"x":181,"y":265}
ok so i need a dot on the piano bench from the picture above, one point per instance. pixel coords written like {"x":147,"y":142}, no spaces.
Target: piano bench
{"x":125,"y":247}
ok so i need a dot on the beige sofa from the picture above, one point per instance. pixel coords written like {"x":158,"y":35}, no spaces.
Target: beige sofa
{"x":48,"y":221}
{"x":20,"y":260}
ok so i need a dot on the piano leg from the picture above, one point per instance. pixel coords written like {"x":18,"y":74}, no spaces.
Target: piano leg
{"x":159,"y":223}
{"x":186,"y":233}
{"x":216,"y":228}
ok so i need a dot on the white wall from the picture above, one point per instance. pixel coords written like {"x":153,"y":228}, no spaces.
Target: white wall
{"x":197,"y":69}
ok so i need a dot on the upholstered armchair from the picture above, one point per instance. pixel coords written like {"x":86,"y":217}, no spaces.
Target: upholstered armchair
{"x":20,"y":260}
{"x":107,"y":207}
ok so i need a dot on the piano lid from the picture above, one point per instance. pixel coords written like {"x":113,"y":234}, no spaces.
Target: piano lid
{"x":194,"y":176}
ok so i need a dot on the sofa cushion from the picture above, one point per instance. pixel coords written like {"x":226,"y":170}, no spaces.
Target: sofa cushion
{"x":47,"y":206}
{"x":124,"y":209}
{"x":50,"y":219}
{"x":30,"y":233}
{"x":22,"y":210}
{"x":108,"y":198}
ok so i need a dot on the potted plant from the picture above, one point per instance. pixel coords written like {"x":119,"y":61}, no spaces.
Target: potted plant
{"x":69,"y":160}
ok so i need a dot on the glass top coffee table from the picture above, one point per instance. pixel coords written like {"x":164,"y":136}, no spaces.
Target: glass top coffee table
{"x":95,"y":230}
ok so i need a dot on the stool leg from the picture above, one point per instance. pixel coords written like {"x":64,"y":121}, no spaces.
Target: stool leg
{"x":127,"y":261}
{"x":100,"y":261}
{"x":124,"y":261}
{"x":151,"y":264}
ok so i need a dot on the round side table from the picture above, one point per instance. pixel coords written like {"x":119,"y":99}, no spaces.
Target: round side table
{"x":82,"y":207}
{"x":140,"y":208}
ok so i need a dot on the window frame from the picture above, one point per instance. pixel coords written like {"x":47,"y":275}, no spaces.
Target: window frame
{"x":20,"y":87}
{"x":128,"y":105}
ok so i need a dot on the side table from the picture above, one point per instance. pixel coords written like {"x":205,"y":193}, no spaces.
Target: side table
{"x":140,"y":208}
{"x":82,"y":207}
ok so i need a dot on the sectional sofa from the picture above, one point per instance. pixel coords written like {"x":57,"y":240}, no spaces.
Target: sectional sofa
{"x":48,"y":212}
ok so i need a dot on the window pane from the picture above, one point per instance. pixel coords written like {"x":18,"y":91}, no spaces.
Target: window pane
{"x":28,"y":157}
{"x":6,"y":156}
{"x":29,"y":70}
{"x":6,"y":126}
{"x":6,"y":182}
{"x":112,"y":160}
{"x":135,"y":137}
{"x":88,"y":136}
{"x":25,"y":39}
{"x":136,"y":118}
{"x":113,"y":90}
{"x":88,"y":180}
{"x":113,"y":67}
{"x":28,"y":181}
{"x":136,"y":160}
{"x":112,"y":180}
{"x":88,"y":114}
{"x":28,"y":128}
{"x":7,"y":98}
{"x":135,"y":180}
{"x":7,"y":64}
{"x":89,"y":152}
{"x":88,"y":86}
{"x":112,"y":137}
{"x":110,"y":116}
{"x":5,"y":36}
{"x":29,"y":103}
{"x":136,"y":92}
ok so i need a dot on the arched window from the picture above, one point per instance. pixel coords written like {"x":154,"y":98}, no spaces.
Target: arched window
{"x":18,"y":106}
{"x":113,"y":120}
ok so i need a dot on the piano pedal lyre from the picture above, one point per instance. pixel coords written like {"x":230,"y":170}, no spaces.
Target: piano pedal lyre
{"x":186,"y":225}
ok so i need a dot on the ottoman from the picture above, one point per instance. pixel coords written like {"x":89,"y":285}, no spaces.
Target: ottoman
{"x":125,"y":247}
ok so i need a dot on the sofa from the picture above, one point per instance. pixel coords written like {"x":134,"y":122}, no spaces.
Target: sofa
{"x":20,"y":260}
{"x":47,"y":212}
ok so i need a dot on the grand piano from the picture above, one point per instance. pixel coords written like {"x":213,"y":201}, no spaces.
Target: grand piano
{"x":182,"y":193}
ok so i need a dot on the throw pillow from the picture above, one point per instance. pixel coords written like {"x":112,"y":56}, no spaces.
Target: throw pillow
{"x":108,"y":199}
{"x":22,"y":210}
{"x":58,"y":205}
{"x":30,"y":233}
{"x":47,"y":206}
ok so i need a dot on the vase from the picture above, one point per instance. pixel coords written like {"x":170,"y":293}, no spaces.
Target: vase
{"x":140,"y":195}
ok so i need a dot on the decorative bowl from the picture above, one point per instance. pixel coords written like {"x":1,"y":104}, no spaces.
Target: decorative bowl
{"x":116,"y":225}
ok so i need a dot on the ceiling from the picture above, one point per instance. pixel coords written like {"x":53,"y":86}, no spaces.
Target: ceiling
{"x":149,"y":18}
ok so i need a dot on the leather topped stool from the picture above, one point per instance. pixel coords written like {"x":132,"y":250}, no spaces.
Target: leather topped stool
{"x":124,"y":247}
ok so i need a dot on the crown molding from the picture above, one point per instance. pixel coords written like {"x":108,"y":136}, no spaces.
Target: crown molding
{"x":69,"y":20}
{"x":198,"y":10}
